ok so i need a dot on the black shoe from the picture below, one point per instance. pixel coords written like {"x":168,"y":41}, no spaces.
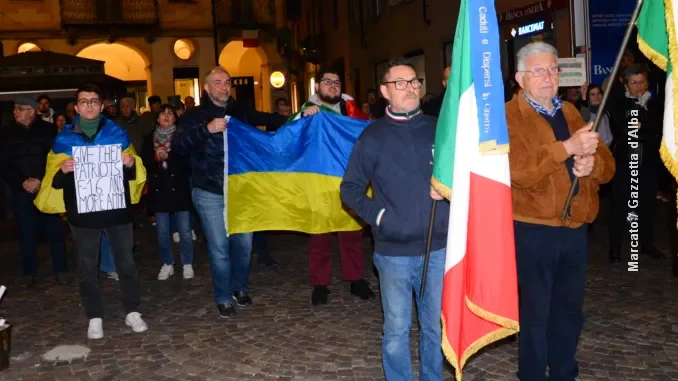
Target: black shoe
{"x":226,"y":310}
{"x":615,"y":254}
{"x":319,"y":295}
{"x":241,"y":298}
{"x":62,"y":279}
{"x":361,"y":289}
{"x":28,"y":282}
{"x":654,"y":253}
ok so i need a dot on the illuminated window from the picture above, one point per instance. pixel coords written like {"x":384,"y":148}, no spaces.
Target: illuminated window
{"x":311,"y":86}
{"x":184,"y":49}
{"x":28,"y":47}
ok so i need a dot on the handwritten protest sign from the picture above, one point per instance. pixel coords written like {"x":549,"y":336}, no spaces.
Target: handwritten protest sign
{"x":99,"y":181}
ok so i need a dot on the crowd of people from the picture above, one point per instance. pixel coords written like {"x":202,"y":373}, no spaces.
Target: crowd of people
{"x":173,"y":159}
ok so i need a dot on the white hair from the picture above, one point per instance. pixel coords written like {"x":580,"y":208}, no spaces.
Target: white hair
{"x":129,"y":101}
{"x":531,"y":49}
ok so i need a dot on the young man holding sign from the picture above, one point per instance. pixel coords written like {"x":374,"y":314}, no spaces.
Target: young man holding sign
{"x":93,"y":173}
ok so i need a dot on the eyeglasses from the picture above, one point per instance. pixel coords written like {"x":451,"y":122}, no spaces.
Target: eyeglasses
{"x":329,"y":82}
{"x":643,"y":82}
{"x":540,"y":71}
{"x":89,"y":102}
{"x":402,"y":84}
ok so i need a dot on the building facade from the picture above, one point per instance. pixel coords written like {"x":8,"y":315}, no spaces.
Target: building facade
{"x":158,"y":47}
{"x":358,"y":37}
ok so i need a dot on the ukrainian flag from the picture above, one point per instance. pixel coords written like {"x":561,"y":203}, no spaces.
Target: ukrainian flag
{"x":50,"y":200}
{"x":289,"y":179}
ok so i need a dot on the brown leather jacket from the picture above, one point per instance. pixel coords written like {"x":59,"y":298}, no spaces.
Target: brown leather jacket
{"x":540,"y":182}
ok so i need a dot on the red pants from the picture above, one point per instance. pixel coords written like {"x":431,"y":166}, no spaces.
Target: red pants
{"x":320,"y":257}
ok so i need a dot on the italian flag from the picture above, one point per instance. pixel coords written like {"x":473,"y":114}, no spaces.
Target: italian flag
{"x":658,"y":40}
{"x":471,"y":169}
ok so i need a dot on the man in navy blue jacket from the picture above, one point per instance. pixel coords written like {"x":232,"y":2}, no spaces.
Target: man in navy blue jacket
{"x":201,"y":136}
{"x":395,"y":155}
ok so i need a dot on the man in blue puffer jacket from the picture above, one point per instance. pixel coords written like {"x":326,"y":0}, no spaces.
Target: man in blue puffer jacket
{"x":201,"y":136}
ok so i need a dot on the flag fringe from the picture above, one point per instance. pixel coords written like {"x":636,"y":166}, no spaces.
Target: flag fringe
{"x":653,"y":55}
{"x":491,"y":148}
{"x":507,"y":327}
{"x":441,"y":188}
{"x":673,"y":55}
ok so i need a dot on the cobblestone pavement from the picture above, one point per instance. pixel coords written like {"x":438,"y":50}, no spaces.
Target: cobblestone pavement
{"x":630,"y":333}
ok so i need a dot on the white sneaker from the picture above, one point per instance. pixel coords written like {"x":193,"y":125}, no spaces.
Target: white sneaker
{"x":134,"y":320}
{"x":113,"y":275}
{"x":195,"y":237}
{"x":96,"y":329}
{"x":165,"y":272}
{"x":188,"y":272}
{"x":176,"y":238}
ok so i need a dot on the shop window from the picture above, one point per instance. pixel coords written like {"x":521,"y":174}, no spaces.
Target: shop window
{"x":187,"y":83}
{"x":28,"y":47}
{"x":184,"y":48}
{"x":447,"y":54}
{"x":419,"y":62}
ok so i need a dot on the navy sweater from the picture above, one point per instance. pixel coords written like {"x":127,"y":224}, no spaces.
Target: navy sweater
{"x":560,"y":130}
{"x":396,"y":156}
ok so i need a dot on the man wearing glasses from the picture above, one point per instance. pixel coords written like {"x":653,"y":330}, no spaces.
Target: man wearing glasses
{"x":395,"y":155}
{"x":551,"y":145}
{"x":328,"y":97}
{"x":91,"y":128}
{"x":26,"y":142}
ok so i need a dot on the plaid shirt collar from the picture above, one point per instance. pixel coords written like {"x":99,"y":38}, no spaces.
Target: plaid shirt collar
{"x":557,"y":105}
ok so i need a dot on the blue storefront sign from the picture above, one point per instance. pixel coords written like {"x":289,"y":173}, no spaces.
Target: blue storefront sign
{"x":608,"y":20}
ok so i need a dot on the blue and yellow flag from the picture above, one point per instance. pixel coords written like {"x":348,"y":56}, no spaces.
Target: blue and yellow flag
{"x":50,"y":200}
{"x":289,"y":179}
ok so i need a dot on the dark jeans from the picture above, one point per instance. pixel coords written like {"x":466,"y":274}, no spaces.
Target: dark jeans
{"x":551,"y":278}
{"x":29,"y":218}
{"x":87,"y":244}
{"x":260,"y":243}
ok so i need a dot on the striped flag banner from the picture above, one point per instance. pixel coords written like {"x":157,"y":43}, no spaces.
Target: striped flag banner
{"x":471,"y":169}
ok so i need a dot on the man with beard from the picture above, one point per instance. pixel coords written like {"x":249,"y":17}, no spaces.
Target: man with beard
{"x":202,"y":138}
{"x":328,"y":97}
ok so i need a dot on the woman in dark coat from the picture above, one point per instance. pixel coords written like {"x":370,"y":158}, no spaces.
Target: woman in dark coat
{"x":169,"y":192}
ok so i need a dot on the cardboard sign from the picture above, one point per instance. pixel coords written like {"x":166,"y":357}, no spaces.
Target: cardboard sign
{"x":574,"y":71}
{"x":99,"y":180}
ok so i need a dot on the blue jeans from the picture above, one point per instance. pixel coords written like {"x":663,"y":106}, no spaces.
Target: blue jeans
{"x":162,"y":230}
{"x":230,"y":268}
{"x":107,"y":264}
{"x":174,"y":228}
{"x":399,"y":276}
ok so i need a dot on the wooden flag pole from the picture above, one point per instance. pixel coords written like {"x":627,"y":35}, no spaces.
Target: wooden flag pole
{"x":427,"y":256}
{"x":606,"y":95}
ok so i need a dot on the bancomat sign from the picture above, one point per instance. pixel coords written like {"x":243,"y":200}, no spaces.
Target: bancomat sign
{"x":531,"y":28}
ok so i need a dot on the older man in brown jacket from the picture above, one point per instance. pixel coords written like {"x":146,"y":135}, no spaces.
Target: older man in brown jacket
{"x":551,"y":145}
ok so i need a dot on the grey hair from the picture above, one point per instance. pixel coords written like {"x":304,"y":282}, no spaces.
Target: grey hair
{"x":216,"y":69}
{"x":531,"y":49}
{"x":128,"y":100}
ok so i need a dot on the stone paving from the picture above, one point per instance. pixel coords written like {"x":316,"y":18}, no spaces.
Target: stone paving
{"x":631,"y":331}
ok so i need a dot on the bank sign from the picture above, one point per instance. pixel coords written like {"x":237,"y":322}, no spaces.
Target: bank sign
{"x":608,"y":20}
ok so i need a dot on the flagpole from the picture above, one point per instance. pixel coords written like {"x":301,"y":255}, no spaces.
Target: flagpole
{"x":606,"y":94}
{"x":427,"y":257}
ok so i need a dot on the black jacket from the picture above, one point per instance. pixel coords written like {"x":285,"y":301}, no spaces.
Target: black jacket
{"x":649,"y":135}
{"x":169,"y":189}
{"x":24,"y":151}
{"x":94,"y":220}
{"x":396,"y":157}
{"x":207,"y":149}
